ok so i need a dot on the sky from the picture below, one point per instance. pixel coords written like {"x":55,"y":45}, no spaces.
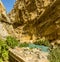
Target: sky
{"x":8,"y":4}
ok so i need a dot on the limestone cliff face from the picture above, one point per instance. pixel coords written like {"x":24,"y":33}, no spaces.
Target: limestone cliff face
{"x":6,"y":27}
{"x":28,"y":10}
{"x":33,"y":19}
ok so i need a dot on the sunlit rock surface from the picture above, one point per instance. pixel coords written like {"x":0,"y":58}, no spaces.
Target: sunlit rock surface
{"x":28,"y":10}
{"x":6,"y":28}
{"x":3,"y":31}
{"x":29,"y":55}
{"x":33,"y":19}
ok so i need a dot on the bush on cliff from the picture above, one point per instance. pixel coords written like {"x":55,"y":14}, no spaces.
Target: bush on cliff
{"x":42,"y":42}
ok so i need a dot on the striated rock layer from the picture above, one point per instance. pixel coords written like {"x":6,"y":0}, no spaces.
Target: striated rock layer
{"x":33,"y":19}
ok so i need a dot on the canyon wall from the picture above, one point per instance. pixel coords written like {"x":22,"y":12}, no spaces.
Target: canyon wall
{"x":6,"y":28}
{"x":34,"y":19}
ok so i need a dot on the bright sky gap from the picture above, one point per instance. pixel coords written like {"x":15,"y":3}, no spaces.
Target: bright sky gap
{"x":8,"y":4}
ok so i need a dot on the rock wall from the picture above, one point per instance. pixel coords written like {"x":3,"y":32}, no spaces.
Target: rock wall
{"x":33,"y":19}
{"x":6,"y":28}
{"x":28,"y":10}
{"x":49,"y":23}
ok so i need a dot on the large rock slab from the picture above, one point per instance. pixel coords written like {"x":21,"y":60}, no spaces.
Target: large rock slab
{"x":28,"y":55}
{"x":3,"y":31}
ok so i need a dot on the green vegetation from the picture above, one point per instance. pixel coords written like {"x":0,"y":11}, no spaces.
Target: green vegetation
{"x":55,"y":54}
{"x":24,"y":44}
{"x":4,"y":45}
{"x":42,"y":42}
{"x":11,"y":42}
{"x":3,"y":51}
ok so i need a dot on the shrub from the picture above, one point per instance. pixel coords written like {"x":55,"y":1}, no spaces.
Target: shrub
{"x":11,"y":42}
{"x":42,"y":42}
{"x":4,"y":45}
{"x":3,"y":51}
{"x":54,"y":55}
{"x":24,"y":44}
